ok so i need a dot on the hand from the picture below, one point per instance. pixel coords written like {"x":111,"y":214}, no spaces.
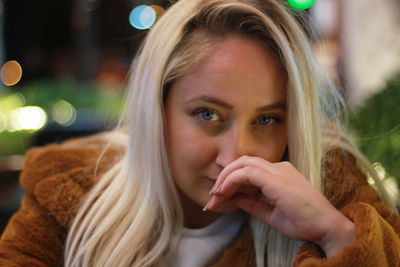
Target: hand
{"x":289,"y":203}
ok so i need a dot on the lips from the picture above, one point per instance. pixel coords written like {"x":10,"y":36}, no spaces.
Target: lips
{"x":213,"y":180}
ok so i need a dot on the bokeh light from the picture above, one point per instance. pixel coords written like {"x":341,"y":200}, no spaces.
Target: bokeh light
{"x":142,"y":17}
{"x":27,"y":118}
{"x":159,"y":10}
{"x":301,"y":4}
{"x":11,"y":102}
{"x":63,"y":113}
{"x":3,"y":121}
{"x":11,"y":73}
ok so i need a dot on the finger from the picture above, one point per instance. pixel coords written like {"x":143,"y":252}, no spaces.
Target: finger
{"x":218,"y":201}
{"x":254,"y":177}
{"x":227,"y":207}
{"x":240,"y":188}
{"x":237,"y":164}
{"x":237,"y":179}
{"x":255,"y":206}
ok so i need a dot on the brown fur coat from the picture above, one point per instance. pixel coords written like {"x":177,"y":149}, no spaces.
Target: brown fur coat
{"x":58,"y":176}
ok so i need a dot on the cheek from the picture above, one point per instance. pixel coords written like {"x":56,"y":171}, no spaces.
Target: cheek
{"x":281,"y":147}
{"x":274,"y":152}
{"x":276,"y":147}
{"x":188,"y":149}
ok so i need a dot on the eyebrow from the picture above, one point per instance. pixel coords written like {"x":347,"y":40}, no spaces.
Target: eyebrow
{"x":212,"y":100}
{"x":276,"y":105}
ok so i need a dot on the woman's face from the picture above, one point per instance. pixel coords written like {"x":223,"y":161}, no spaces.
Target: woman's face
{"x":232,"y":104}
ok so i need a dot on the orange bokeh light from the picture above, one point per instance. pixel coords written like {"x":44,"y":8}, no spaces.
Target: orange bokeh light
{"x":159,"y":10}
{"x":11,"y":73}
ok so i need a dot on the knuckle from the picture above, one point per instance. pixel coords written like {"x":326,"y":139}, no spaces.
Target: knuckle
{"x":250,"y":171}
{"x":285,"y":164}
{"x":245,"y":157}
{"x":247,"y":169}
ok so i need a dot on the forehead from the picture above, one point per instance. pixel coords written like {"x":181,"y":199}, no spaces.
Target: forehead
{"x":237,"y":66}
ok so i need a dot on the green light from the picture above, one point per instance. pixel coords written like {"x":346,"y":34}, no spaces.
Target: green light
{"x":301,"y":4}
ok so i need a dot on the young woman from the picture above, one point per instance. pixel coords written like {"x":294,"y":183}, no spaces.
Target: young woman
{"x":233,"y":154}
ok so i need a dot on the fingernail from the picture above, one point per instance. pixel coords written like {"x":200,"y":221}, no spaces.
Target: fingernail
{"x":206,"y":206}
{"x":211,"y":192}
{"x":213,"y":189}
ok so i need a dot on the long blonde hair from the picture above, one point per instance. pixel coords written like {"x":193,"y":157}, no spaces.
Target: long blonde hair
{"x":133,"y":217}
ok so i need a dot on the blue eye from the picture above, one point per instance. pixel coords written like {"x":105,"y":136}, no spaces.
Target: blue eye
{"x":207,"y":115}
{"x":266,"y":120}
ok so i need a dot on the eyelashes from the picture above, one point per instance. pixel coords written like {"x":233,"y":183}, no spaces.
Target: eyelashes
{"x":268,"y":119}
{"x":207,"y":114}
{"x":210,"y":115}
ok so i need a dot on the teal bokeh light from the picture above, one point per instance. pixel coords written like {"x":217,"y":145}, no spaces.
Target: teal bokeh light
{"x":142,"y":17}
{"x":301,"y":4}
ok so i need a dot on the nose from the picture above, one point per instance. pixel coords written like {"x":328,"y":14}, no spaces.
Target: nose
{"x":235,"y":143}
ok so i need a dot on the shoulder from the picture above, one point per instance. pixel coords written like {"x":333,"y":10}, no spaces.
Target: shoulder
{"x":59,"y":175}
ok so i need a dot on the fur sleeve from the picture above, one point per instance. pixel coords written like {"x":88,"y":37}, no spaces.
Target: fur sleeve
{"x":55,"y":179}
{"x":377,"y":240}
{"x":32,"y":237}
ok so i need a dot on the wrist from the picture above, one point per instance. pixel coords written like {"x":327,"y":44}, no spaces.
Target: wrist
{"x":342,"y":235}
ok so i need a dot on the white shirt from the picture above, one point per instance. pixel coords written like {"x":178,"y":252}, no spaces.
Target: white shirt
{"x":204,"y":246}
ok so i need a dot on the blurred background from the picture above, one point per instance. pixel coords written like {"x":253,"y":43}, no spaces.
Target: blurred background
{"x":64,"y":66}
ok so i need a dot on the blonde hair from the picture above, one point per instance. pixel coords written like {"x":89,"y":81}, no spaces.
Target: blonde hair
{"x":133,"y":217}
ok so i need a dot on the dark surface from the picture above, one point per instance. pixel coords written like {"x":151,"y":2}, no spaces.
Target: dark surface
{"x":10,"y":195}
